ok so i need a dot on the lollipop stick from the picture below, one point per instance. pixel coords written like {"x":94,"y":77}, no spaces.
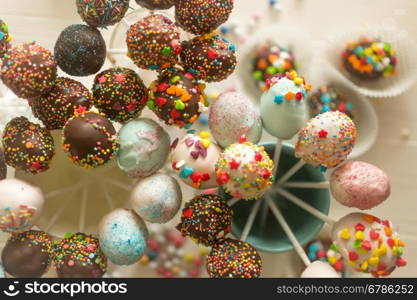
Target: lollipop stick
{"x":58,"y":214}
{"x":232,"y":201}
{"x":108,"y":197}
{"x":125,"y":22}
{"x":277,"y":155}
{"x":306,"y":185}
{"x":314,"y":211}
{"x":58,"y":192}
{"x":116,"y":51}
{"x":83,"y":210}
{"x":10,"y":172}
{"x":116,"y":183}
{"x":281,"y":220}
{"x":291,"y":171}
{"x":250,"y":220}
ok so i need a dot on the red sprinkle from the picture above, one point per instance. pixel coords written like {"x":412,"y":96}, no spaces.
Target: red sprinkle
{"x":188,"y":213}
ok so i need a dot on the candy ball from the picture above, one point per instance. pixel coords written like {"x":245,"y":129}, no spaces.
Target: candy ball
{"x":29,"y":70}
{"x":27,"y":254}
{"x":326,"y":140}
{"x":79,"y":256}
{"x":359,"y":184}
{"x":102,"y":13}
{"x":209,"y":58}
{"x":21,"y":204}
{"x":123,"y":236}
{"x":5,"y":38}
{"x":202,"y":16}
{"x":230,"y":258}
{"x":156,"y":4}
{"x":369,"y":244}
{"x":268,"y":60}
{"x":177,"y":98}
{"x":119,"y":93}
{"x":319,"y":269}
{"x":156,"y":198}
{"x":153,"y":43}
{"x":27,"y":146}
{"x":55,"y":107}
{"x":144,"y":147}
{"x":232,"y":116}
{"x":3,"y":166}
{"x":283,"y":105}
{"x":194,"y":157}
{"x":90,"y":140}
{"x":80,"y":50}
{"x":369,"y":59}
{"x":328,"y":98}
{"x":205,"y":219}
{"x":244,"y":170}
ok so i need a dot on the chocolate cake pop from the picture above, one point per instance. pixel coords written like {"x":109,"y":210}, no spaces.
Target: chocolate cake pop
{"x":29,"y":70}
{"x":231,"y":258}
{"x":55,"y":107}
{"x":369,"y":59}
{"x":209,"y":58}
{"x":156,"y":4}
{"x":202,"y":16}
{"x":79,"y":256}
{"x":102,"y":13}
{"x":119,"y":93}
{"x":27,"y":146}
{"x":177,"y":98}
{"x":3,"y":166}
{"x":153,"y":43}
{"x":205,"y":219}
{"x":80,"y":50}
{"x":328,"y":98}
{"x":90,"y":140}
{"x":5,"y":38}
{"x":27,"y":254}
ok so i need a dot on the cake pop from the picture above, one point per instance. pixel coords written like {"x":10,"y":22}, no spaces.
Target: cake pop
{"x":369,"y":244}
{"x":270,"y":59}
{"x":283,"y":105}
{"x":144,"y":147}
{"x":319,"y":269}
{"x":244,"y":170}
{"x":209,"y":58}
{"x":205,"y":219}
{"x":89,"y":139}
{"x":232,"y":115}
{"x":21,"y":204}
{"x":156,"y":4}
{"x":359,"y":184}
{"x":123,"y":236}
{"x":119,"y":93}
{"x":177,"y":98}
{"x":202,"y":16}
{"x":153,"y":43}
{"x":55,"y":107}
{"x":326,"y":140}
{"x":328,"y":98}
{"x":29,"y":70}
{"x":27,"y":146}
{"x":102,"y":13}
{"x":80,"y":50}
{"x":369,"y":59}
{"x":230,"y":258}
{"x":5,"y":38}
{"x":156,"y":198}
{"x":79,"y":256}
{"x":27,"y":254}
{"x":3,"y":166}
{"x":194,"y":157}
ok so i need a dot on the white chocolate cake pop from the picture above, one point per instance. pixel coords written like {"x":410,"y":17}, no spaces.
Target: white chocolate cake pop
{"x":283,"y":105}
{"x":156,"y":198}
{"x":21,"y":205}
{"x":232,"y":115}
{"x":319,"y":269}
{"x":326,"y":140}
{"x":244,"y":170}
{"x":194,"y":157}
{"x":368,"y":244}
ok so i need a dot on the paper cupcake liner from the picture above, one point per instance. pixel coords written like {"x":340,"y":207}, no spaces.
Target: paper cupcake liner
{"x":403,"y":45}
{"x":293,"y":38}
{"x":365,"y":117}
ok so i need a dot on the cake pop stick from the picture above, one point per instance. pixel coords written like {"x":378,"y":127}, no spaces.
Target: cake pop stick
{"x":116,"y":183}
{"x":59,"y":192}
{"x":83,"y":210}
{"x":306,"y":185}
{"x":232,"y":201}
{"x":305,"y":206}
{"x":58,"y":214}
{"x":108,"y":197}
{"x":250,"y":220}
{"x":291,"y":172}
{"x":126,"y":23}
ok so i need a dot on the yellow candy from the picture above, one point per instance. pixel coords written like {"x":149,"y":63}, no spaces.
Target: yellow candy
{"x":383,"y":249}
{"x":204,"y":134}
{"x":352,"y":263}
{"x":205,"y":143}
{"x":359,"y":235}
{"x":394,"y":250}
{"x":345,"y":234}
{"x":188,"y":258}
{"x":377,"y":252}
{"x":364,"y":266}
{"x":332,"y":260}
{"x":298,"y":80}
{"x":374,"y":260}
